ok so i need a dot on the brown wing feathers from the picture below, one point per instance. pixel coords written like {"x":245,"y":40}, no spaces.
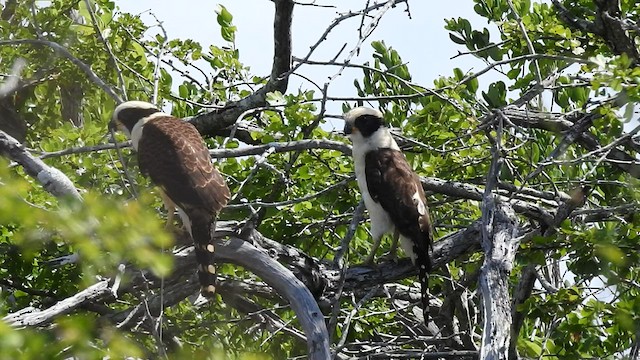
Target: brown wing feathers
{"x":174,"y":156}
{"x":393,"y":184}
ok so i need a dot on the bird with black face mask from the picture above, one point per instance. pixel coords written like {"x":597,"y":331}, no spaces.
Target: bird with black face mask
{"x":392,"y":192}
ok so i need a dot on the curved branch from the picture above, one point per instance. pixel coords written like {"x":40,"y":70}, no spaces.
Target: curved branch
{"x":52,"y":179}
{"x":211,"y":123}
{"x":557,"y":123}
{"x":237,"y":251}
{"x":467,"y":191}
{"x":286,"y":284}
{"x":30,"y":316}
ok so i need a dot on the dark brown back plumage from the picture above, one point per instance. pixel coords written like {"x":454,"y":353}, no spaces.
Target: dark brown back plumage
{"x":392,"y":183}
{"x":172,"y":153}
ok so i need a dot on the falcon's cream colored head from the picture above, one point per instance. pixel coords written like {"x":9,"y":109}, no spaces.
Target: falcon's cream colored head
{"x":362,"y":121}
{"x":128,"y":114}
{"x":367,"y":130}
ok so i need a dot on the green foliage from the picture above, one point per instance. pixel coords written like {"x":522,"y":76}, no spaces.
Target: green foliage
{"x":227,"y":30}
{"x":111,"y":226}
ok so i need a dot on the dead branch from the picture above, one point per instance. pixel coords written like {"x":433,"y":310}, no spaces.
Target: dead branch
{"x":33,"y":317}
{"x":499,"y":242}
{"x":211,"y":123}
{"x":558,"y":123}
{"x":52,"y":179}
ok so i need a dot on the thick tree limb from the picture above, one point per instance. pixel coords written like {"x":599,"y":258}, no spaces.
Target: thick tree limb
{"x":211,"y":123}
{"x":608,"y":24}
{"x":445,"y":250}
{"x":499,"y":243}
{"x":558,"y":124}
{"x":287,"y":285}
{"x":578,"y":23}
{"x":33,"y":317}
{"x":52,"y":179}
{"x":613,"y":29}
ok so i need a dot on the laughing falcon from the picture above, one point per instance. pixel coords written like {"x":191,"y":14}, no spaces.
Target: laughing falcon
{"x":392,"y":192}
{"x":172,"y":153}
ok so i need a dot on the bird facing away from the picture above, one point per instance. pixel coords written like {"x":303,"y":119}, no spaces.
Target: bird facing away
{"x":392,"y":192}
{"x":172,"y":153}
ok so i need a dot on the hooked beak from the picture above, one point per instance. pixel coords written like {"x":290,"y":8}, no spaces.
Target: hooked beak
{"x":348,"y":129}
{"x":112,"y":126}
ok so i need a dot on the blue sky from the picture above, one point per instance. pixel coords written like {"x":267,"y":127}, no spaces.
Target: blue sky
{"x":421,"y":40}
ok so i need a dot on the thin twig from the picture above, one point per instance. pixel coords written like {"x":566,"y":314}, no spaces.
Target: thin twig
{"x":107,"y":46}
{"x":342,"y":265}
{"x":156,"y":70}
{"x":293,"y":201}
{"x":352,"y":313}
{"x":532,"y":50}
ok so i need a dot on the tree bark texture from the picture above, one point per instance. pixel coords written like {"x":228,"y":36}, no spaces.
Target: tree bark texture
{"x":499,"y":242}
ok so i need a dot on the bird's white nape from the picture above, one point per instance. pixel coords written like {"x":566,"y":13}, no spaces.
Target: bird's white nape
{"x":136,"y":132}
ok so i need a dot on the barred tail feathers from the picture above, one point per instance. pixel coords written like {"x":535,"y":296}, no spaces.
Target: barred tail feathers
{"x":419,"y":251}
{"x":421,"y":258}
{"x":201,"y":232}
{"x":424,"y":267}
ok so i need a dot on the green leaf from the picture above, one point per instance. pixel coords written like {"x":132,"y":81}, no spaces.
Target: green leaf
{"x":379,"y":47}
{"x":456,"y":39}
{"x":496,"y":96}
{"x":472,"y":85}
{"x":529,"y":348}
{"x":535,"y":153}
{"x":276,"y":98}
{"x":228,"y":33}
{"x":629,"y":111}
{"x":224,"y":16}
